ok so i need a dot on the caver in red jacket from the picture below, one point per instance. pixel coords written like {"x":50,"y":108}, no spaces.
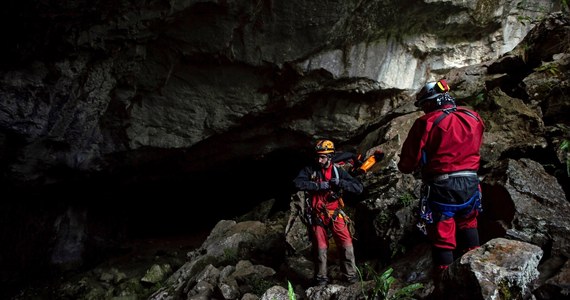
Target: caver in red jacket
{"x":444,"y":144}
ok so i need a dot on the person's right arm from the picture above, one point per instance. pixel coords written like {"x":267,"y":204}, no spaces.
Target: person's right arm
{"x":303,"y":180}
{"x":411,"y":153}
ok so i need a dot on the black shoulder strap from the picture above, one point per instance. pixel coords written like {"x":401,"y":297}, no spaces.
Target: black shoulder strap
{"x":448,"y":111}
{"x":445,"y":113}
{"x":468,"y":113}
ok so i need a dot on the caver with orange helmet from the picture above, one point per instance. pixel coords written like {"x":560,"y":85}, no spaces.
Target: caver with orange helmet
{"x":324,"y":150}
{"x":324,"y":184}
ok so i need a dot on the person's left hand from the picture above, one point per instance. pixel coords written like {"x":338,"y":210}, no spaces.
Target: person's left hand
{"x":335,"y":181}
{"x":324,"y":185}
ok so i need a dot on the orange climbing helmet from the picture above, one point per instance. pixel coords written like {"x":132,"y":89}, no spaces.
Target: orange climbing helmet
{"x":324,"y":147}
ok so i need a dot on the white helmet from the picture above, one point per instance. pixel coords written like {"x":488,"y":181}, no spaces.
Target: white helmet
{"x":431,"y":90}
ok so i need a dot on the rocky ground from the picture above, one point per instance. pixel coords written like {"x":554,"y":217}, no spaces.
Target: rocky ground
{"x":120,"y":275}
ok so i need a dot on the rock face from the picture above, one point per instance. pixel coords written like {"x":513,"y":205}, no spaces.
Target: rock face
{"x":118,"y":88}
{"x":116,"y":110}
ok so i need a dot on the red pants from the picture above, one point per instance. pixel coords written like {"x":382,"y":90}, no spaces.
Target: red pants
{"x":443,"y":233}
{"x":340,"y":233}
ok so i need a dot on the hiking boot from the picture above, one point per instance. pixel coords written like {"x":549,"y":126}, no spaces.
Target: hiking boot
{"x":439,"y":274}
{"x":352,"y":279}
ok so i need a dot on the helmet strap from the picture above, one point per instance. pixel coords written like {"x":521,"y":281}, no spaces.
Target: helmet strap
{"x":445,"y":99}
{"x":436,"y":103}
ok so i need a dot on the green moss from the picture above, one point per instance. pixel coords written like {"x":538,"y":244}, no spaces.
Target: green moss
{"x":260,"y":285}
{"x":565,"y":148}
{"x":382,"y":218}
{"x":230,"y":255}
{"x":397,"y":249}
{"x":509,"y":291}
{"x":550,"y":68}
{"x":406,"y":199}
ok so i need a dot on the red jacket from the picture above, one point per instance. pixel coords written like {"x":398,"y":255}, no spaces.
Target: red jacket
{"x":453,"y":145}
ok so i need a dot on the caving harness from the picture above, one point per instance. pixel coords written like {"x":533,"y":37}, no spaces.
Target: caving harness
{"x":324,"y":217}
{"x":446,"y":209}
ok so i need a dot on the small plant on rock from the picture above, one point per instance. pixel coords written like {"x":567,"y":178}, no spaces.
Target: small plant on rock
{"x":290,"y":290}
{"x":406,"y":199}
{"x":383,"y":283}
{"x":565,"y":148}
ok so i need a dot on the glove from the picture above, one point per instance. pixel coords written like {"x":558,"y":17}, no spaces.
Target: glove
{"x":324,"y":185}
{"x":335,"y":181}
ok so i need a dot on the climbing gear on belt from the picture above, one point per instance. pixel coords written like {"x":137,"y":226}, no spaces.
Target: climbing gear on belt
{"x":446,"y":209}
{"x":449,"y":210}
{"x":325,"y":218}
{"x":453,"y":174}
{"x":425,"y":212}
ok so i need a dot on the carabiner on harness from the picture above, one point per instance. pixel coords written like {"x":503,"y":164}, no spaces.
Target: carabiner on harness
{"x":425,"y":211}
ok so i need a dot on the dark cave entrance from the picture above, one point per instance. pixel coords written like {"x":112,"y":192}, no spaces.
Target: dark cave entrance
{"x":110,"y":211}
